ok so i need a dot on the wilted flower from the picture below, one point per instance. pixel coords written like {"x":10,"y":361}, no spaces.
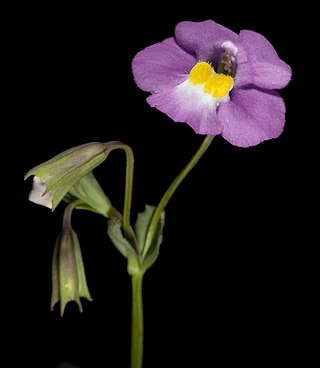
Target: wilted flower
{"x":218,"y":82}
{"x":55,"y":177}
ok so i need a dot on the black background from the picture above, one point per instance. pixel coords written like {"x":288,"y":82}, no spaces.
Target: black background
{"x":227,"y":286}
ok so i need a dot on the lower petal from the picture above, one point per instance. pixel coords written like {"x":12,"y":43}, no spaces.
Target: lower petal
{"x":252,"y":116}
{"x":186,"y":103}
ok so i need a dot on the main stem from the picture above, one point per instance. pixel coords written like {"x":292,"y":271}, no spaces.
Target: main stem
{"x":137,"y":301}
{"x":137,"y":321}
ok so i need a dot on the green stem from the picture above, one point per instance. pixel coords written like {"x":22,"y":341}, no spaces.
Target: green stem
{"x":137,"y":321}
{"x":127,"y":229}
{"x":173,"y":187}
{"x":128,"y":191}
{"x":66,"y":223}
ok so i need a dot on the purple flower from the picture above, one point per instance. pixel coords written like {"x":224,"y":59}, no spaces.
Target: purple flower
{"x":216,"y":81}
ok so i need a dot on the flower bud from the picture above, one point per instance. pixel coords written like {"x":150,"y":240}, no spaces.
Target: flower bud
{"x":55,"y":177}
{"x":68,"y":273}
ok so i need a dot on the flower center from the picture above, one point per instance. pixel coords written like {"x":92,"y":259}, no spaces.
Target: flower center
{"x":227,"y":64}
{"x":216,"y":84}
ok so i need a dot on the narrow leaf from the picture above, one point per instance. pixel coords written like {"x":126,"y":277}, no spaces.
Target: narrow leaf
{"x":142,"y":225}
{"x":153,"y":251}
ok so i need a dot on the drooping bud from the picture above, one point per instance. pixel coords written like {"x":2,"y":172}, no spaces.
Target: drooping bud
{"x":68,"y":273}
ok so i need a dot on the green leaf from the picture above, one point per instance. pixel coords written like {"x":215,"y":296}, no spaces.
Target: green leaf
{"x":142,"y":225}
{"x":153,"y":251}
{"x":119,"y":241}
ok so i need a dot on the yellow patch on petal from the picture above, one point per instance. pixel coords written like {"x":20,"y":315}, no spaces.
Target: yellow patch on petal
{"x":217,"y":85}
{"x":200,"y":73}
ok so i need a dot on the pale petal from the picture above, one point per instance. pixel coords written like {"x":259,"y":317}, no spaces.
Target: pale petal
{"x":36,"y":193}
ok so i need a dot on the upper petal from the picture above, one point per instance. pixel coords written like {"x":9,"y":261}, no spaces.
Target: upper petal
{"x":259,"y":64}
{"x":186,"y":103}
{"x":252,"y":116}
{"x":161,"y":65}
{"x":201,"y":38}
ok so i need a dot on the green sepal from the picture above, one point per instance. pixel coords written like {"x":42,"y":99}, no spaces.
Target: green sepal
{"x":91,"y":195}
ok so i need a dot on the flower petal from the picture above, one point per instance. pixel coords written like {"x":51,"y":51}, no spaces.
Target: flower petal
{"x":259,"y":63}
{"x":161,"y":65}
{"x":36,"y":193}
{"x":187,"y":103}
{"x":202,"y":38}
{"x":252,"y":116}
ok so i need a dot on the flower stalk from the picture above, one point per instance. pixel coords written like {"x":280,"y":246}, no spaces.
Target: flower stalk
{"x":173,"y":187}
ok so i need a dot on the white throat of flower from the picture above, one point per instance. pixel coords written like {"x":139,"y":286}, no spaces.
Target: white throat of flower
{"x":214,"y":85}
